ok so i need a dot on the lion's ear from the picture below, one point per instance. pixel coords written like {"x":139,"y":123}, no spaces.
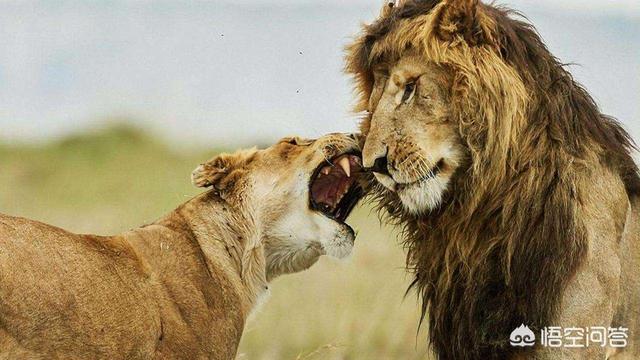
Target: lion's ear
{"x":388,"y":6}
{"x":463,"y":19}
{"x":222,"y":171}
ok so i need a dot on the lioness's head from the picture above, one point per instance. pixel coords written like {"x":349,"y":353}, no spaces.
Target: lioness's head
{"x":441,"y":94}
{"x":299,"y":193}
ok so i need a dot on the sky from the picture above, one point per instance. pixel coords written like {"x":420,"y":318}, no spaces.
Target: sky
{"x":622,"y":7}
{"x":227,"y":73}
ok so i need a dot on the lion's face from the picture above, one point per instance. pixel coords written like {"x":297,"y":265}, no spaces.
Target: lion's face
{"x":411,"y":142}
{"x":438,"y":81}
{"x":299,"y":191}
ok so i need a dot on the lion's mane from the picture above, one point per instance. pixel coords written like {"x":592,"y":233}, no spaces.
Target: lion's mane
{"x":503,"y":246}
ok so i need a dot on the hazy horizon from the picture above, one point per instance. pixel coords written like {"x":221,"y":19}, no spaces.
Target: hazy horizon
{"x":226,"y":74}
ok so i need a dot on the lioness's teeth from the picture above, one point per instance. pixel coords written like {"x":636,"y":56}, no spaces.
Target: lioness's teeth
{"x":345,"y":165}
{"x":326,"y":170}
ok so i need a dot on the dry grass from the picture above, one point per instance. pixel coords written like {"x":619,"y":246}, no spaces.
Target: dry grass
{"x":117,"y":179}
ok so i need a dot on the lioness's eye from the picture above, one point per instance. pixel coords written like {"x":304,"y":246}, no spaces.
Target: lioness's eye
{"x":409,"y":89}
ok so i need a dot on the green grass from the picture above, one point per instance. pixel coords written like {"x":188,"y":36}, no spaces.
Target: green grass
{"x":118,"y":178}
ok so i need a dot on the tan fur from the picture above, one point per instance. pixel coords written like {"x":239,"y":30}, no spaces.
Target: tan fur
{"x":180,"y":288}
{"x":513,"y":190}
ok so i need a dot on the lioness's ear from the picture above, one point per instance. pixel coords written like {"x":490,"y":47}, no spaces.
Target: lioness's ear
{"x":222,"y":171}
{"x":296,"y":140}
{"x":463,"y":19}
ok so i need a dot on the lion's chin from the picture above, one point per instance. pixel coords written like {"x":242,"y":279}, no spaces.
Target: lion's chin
{"x":423,"y":197}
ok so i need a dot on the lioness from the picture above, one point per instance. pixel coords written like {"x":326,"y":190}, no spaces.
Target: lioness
{"x":183,"y":286}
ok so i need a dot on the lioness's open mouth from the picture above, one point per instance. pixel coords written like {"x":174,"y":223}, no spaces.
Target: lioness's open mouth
{"x":334,"y":187}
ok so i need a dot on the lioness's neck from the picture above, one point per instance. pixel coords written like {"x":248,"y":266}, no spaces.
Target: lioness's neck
{"x":229,"y":241}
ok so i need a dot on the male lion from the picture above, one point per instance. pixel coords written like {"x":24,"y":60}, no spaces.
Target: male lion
{"x":183,"y":286}
{"x":519,"y":199}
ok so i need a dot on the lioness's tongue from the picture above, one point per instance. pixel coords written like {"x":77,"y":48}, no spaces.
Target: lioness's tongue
{"x":325,"y":188}
{"x":333,"y":182}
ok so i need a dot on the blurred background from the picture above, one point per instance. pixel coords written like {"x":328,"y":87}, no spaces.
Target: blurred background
{"x":107,"y":106}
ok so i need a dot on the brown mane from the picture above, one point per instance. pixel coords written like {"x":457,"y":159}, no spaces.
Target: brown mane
{"x":506,"y":241}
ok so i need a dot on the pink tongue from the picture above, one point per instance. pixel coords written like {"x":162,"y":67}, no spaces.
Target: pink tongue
{"x":332,"y":182}
{"x":325,"y":188}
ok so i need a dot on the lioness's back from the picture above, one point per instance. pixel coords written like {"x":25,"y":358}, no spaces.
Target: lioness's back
{"x":61,"y":289}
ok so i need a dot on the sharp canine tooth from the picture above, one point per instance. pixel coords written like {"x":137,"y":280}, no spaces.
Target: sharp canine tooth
{"x":345,"y":165}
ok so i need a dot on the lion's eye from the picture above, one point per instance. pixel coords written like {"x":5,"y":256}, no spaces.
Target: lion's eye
{"x":409,"y":90}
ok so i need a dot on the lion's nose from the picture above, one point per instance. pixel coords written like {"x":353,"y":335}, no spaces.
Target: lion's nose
{"x":374,"y":157}
{"x":380,"y":165}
